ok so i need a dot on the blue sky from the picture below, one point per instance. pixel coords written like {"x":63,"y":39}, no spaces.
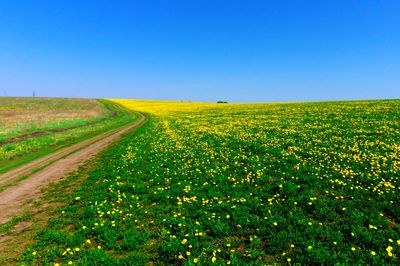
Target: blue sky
{"x":201,"y":50}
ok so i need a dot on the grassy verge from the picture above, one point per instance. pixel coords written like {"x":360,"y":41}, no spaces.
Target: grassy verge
{"x":22,"y":230}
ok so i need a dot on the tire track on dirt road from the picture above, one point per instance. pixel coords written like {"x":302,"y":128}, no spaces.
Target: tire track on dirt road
{"x":50,"y":168}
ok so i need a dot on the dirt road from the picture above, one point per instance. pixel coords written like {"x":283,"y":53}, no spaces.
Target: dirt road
{"x":51,"y":168}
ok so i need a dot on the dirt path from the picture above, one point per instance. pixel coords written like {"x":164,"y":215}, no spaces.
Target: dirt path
{"x":53,"y":167}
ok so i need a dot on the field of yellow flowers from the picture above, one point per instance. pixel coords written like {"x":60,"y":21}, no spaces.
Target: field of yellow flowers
{"x":220,"y":184}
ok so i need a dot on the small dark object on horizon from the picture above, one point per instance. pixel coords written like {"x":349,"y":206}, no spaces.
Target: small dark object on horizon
{"x":222,"y":102}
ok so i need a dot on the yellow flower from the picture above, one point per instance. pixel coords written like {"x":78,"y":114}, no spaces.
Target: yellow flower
{"x":373,"y":253}
{"x":389,"y":251}
{"x":34,"y":253}
{"x":184,"y":241}
{"x":372,"y":227}
{"x":88,"y":241}
{"x":288,"y":259}
{"x":180,"y":257}
{"x":69,"y":262}
{"x":353,"y":249}
{"x":188,"y":253}
{"x":213,"y":259}
{"x":195,"y":260}
{"x":228,"y":216}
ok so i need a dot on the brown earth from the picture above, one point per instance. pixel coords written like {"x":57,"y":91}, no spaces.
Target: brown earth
{"x":51,"y":168}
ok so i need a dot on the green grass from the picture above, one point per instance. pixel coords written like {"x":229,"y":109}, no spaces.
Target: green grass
{"x":309,"y":183}
{"x":7,"y":227}
{"x":21,"y":152}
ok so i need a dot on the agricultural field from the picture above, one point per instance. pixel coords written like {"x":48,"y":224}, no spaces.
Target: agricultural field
{"x":220,"y":184}
{"x":26,"y":115}
{"x":32,"y":127}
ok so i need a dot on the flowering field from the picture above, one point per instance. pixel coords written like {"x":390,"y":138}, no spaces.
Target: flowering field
{"x":239,"y":184}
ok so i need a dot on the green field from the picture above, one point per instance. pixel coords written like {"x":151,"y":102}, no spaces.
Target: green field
{"x":240,"y":184}
{"x":33,"y":127}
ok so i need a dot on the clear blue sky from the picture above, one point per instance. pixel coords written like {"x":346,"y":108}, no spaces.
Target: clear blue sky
{"x":201,"y":50}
